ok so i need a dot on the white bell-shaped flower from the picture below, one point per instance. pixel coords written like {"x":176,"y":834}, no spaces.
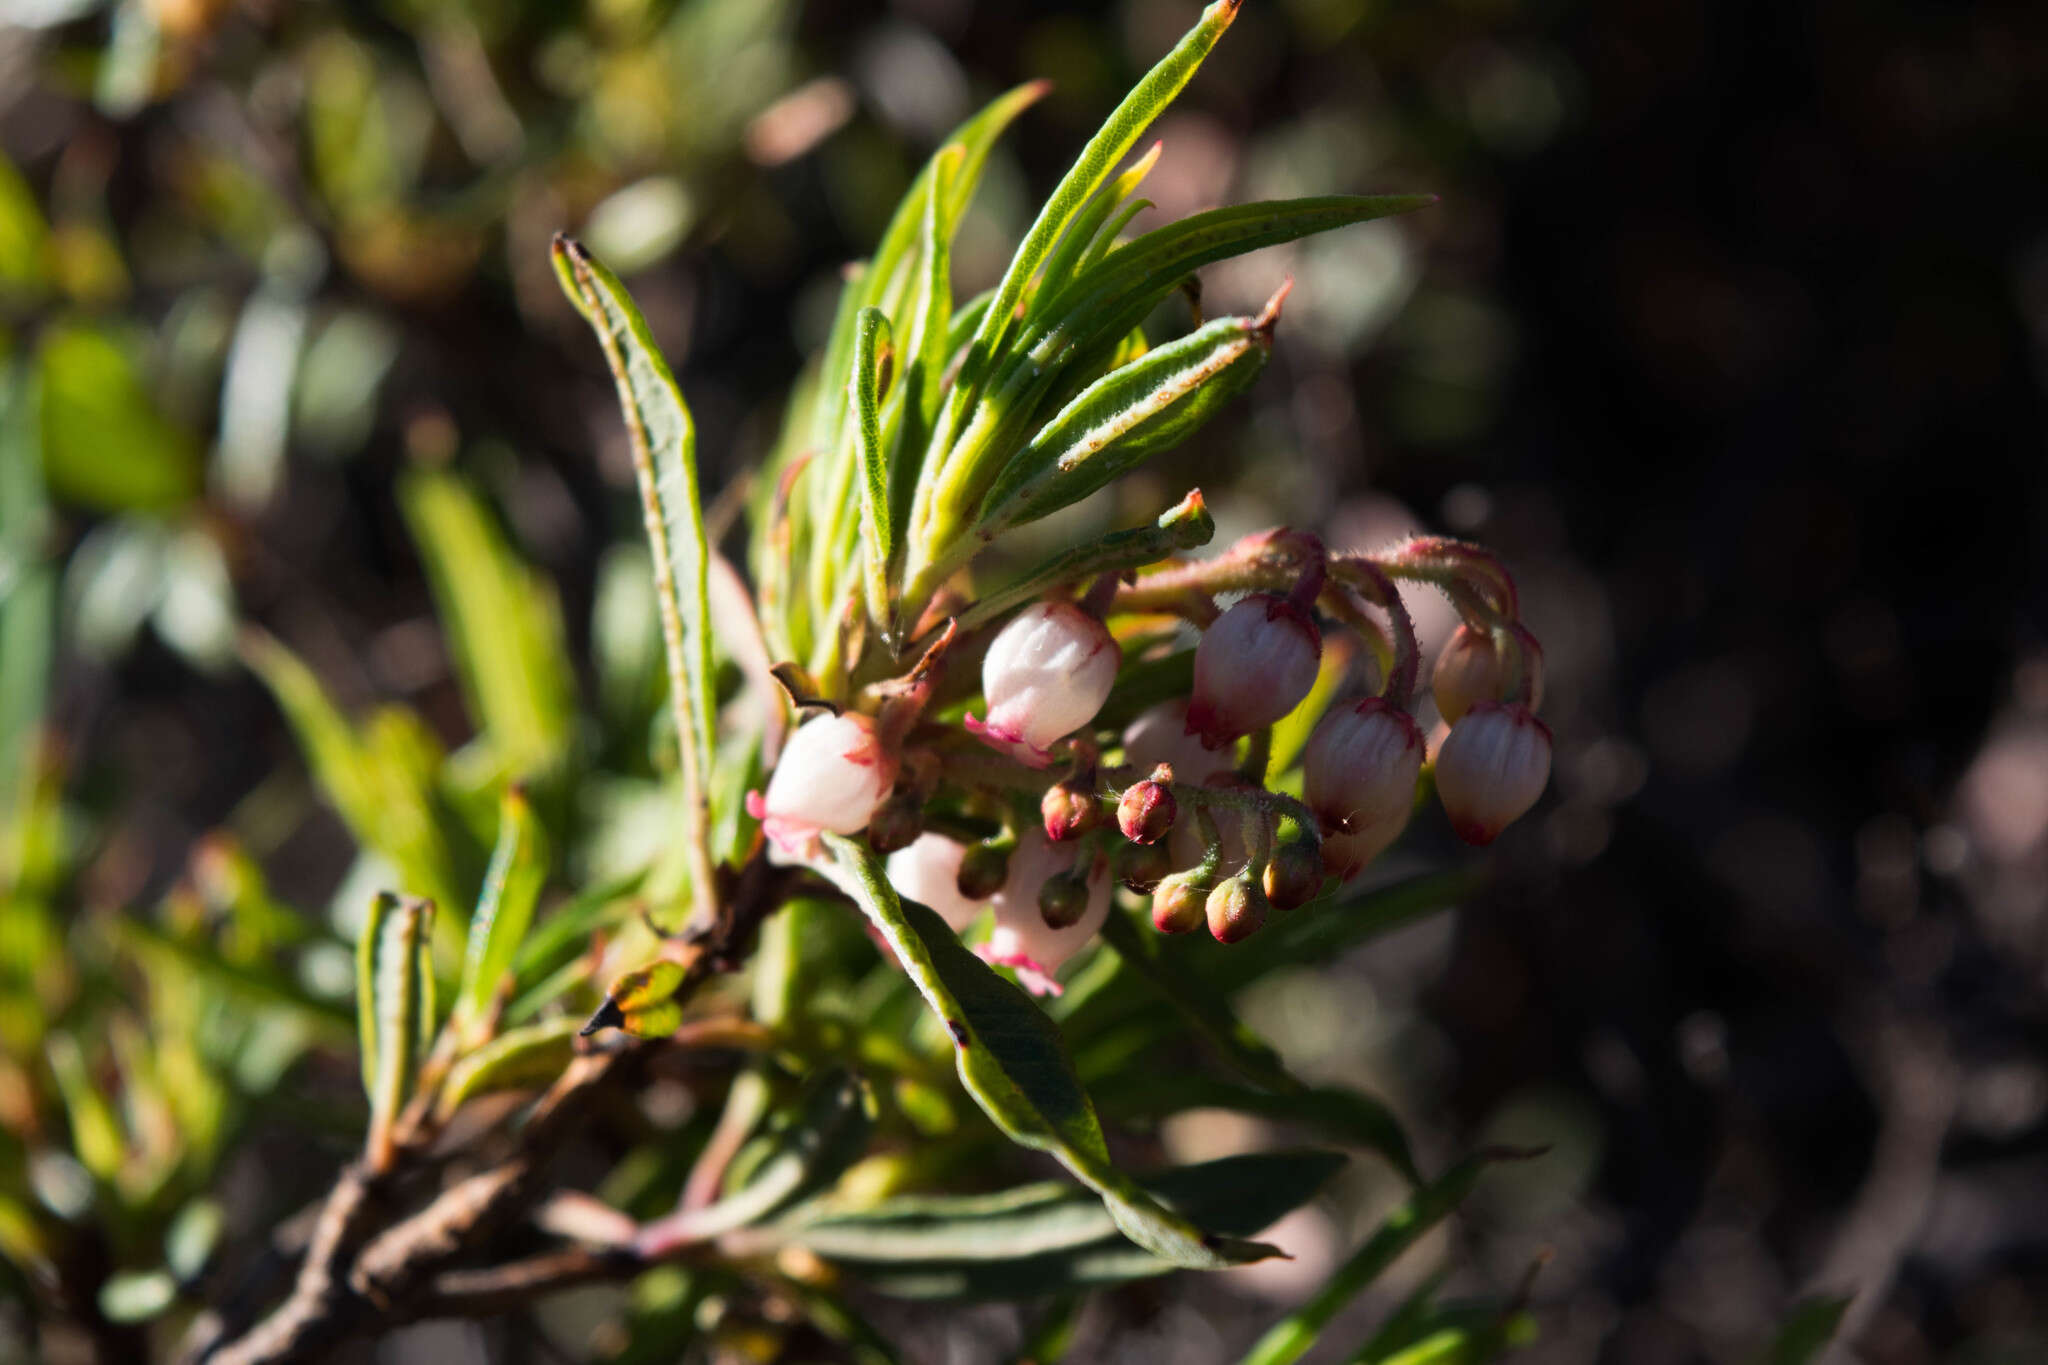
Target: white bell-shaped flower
{"x":1021,"y":938}
{"x":1491,"y":768}
{"x":1045,"y":675}
{"x":1358,"y":775}
{"x":1255,"y":663}
{"x":832,"y":775}
{"x":928,"y":872}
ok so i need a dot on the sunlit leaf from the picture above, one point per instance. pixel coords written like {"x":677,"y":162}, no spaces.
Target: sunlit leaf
{"x":1051,"y":1238}
{"x":1012,"y":1061}
{"x":512,"y":886}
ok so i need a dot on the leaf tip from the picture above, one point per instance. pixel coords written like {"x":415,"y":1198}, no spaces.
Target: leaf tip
{"x":1269,"y":316}
{"x":608,"y":1015}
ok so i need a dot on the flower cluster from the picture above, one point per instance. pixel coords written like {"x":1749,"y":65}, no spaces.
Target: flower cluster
{"x":1030,"y":809}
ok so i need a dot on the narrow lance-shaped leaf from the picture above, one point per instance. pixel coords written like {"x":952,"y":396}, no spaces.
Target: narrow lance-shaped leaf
{"x":1084,"y":322}
{"x":521,"y":1059}
{"x":1050,"y":1238}
{"x":1146,"y":101}
{"x":878,"y":532}
{"x":1186,"y":525}
{"x":504,"y":912}
{"x":1124,"y":418}
{"x":932,"y":521}
{"x":1809,"y":1328}
{"x":401,"y":1006}
{"x":828,"y":1132}
{"x":1290,"y":1338}
{"x":1011,"y":1060}
{"x":664,"y":443}
{"x":502,"y":621}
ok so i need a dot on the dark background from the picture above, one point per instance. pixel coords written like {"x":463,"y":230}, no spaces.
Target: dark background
{"x":1728,"y":335}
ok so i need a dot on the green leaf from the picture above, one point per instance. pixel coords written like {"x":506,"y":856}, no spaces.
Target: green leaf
{"x":1295,"y":1334}
{"x":1808,"y":1329}
{"x":1117,"y":293}
{"x":250,"y":985}
{"x":520,"y":1059}
{"x":1051,"y":1238}
{"x":28,"y":593}
{"x":642,"y":1002}
{"x":397,"y":1013}
{"x":1124,"y":418}
{"x":380,"y":781}
{"x":504,"y":626}
{"x":1146,"y":101}
{"x":512,"y":887}
{"x":1013,"y":1063}
{"x":877,"y":526}
{"x":105,"y":445}
{"x":664,"y":441}
{"x":1186,"y":525}
{"x":1339,"y":1114}
{"x":1325,"y":931}
{"x":97,"y":1139}
{"x":828,"y":1132}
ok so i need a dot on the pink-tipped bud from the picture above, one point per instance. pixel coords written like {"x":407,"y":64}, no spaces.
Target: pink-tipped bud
{"x":1179,"y":905}
{"x":1358,"y":775}
{"x":1146,"y":811}
{"x":1236,"y":909}
{"x":1160,"y":735}
{"x":1294,"y":877}
{"x":1471,"y":670}
{"x":1069,"y":809}
{"x":1254,"y":665}
{"x":1141,"y":867}
{"x":1021,"y":938}
{"x":928,"y":872}
{"x":1046,"y":674}
{"x":1491,"y":768}
{"x":832,"y":776}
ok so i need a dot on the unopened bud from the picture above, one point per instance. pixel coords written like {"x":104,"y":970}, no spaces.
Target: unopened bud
{"x":1294,"y":877}
{"x":832,"y":776}
{"x":1236,"y":909}
{"x":983,"y":869}
{"x":1141,"y":866}
{"x":1022,"y":937}
{"x":1146,"y":811}
{"x":928,"y":872}
{"x":1046,"y":674}
{"x":1255,"y":664}
{"x":896,"y":823}
{"x":1471,"y":670}
{"x":1063,"y":899}
{"x":1358,"y":775}
{"x":1179,"y":905}
{"x":1491,"y":769}
{"x":1070,"y":809}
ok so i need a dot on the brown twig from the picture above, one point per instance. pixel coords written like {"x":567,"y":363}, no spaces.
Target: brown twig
{"x":362,"y":1272}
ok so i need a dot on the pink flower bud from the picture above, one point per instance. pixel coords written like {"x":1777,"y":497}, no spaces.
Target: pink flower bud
{"x":1294,"y":877}
{"x":1491,"y":768}
{"x":928,"y":872}
{"x":1179,"y":905}
{"x":1069,"y":810}
{"x":1021,"y":938}
{"x":1161,"y":735}
{"x":1141,"y":867}
{"x":1358,"y":776}
{"x":1236,"y":909}
{"x":1046,"y":674}
{"x":1470,"y":670}
{"x":1146,"y":811}
{"x":1254,"y":665}
{"x":832,"y":775}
